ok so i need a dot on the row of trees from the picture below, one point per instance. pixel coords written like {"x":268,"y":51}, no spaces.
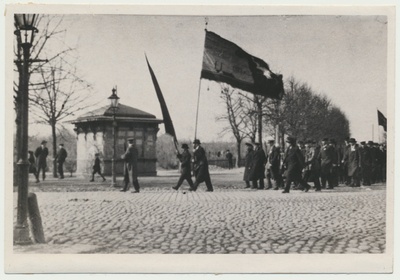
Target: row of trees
{"x":301,"y":113}
{"x":56,"y":90}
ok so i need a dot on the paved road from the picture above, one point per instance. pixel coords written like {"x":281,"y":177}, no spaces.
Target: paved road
{"x":225,"y":221}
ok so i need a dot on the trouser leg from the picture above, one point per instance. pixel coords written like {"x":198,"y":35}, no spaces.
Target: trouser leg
{"x":261,"y":184}
{"x":180,"y":181}
{"x":208,"y":183}
{"x":255,"y":184}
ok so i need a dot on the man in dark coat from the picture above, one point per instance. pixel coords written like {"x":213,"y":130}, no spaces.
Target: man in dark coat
{"x":313,"y":166}
{"x":186,"y":168}
{"x":365,"y":154}
{"x":327,"y":158}
{"x":130,"y":168}
{"x":41,"y":154}
{"x":229,"y":157}
{"x":345,"y":149}
{"x":60,"y":158}
{"x":97,"y":167}
{"x":353,"y":160}
{"x":274,"y":163}
{"x":200,"y":165}
{"x":293,"y":164}
{"x":247,"y":164}
{"x":257,"y":172}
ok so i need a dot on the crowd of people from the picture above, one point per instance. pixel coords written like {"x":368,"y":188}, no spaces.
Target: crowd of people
{"x":325,"y":166}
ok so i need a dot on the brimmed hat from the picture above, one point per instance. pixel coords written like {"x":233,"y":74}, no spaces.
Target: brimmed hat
{"x":131,"y":140}
{"x":325,"y":140}
{"x":271,"y":141}
{"x":44,"y":142}
{"x":352,"y":140}
{"x":185,"y":146}
{"x":96,"y":154}
{"x":196,"y":141}
{"x":62,"y":145}
{"x":256,"y":143}
{"x":249,"y":144}
{"x":290,"y":139}
{"x":370,"y":142}
{"x":362,"y":142}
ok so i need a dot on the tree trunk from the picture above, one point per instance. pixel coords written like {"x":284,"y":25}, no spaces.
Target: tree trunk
{"x":238,"y":150}
{"x":53,"y":135}
{"x":259,"y":115}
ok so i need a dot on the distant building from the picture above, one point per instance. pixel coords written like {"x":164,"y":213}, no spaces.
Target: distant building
{"x":95,"y":135}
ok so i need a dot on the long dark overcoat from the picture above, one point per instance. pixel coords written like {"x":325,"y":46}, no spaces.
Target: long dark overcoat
{"x":353,"y":161}
{"x":294,"y":163}
{"x":257,"y":170}
{"x":200,"y":164}
{"x":247,"y":165}
{"x":186,"y":165}
{"x":327,"y":156}
{"x":41,"y":157}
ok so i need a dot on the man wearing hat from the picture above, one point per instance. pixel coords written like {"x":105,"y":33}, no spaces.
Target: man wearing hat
{"x":60,"y":158}
{"x":229,"y":157}
{"x":327,"y":159}
{"x":41,"y":154}
{"x":257,"y":172}
{"x":293,"y":164}
{"x":345,"y":178}
{"x":337,"y":158}
{"x":200,"y":164}
{"x":130,"y":168}
{"x":97,"y":167}
{"x":365,"y":154}
{"x":248,"y":159}
{"x":274,"y":162}
{"x":186,"y":169}
{"x":353,"y":160}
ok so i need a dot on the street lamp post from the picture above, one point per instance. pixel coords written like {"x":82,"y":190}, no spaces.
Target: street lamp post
{"x":25,"y":31}
{"x":114,"y":107}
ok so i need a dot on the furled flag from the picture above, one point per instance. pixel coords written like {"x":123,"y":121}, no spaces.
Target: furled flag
{"x":382,"y":120}
{"x":169,"y":127}
{"x":224,"y":61}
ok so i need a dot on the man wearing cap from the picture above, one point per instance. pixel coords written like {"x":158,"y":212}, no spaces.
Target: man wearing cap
{"x":130,"y":169}
{"x":60,"y":159}
{"x":97,"y":168}
{"x":353,"y":160}
{"x":248,"y":159}
{"x":294,"y":164}
{"x":327,"y":158}
{"x":200,"y":164}
{"x":41,"y":154}
{"x":274,"y":162}
{"x":186,"y":169}
{"x":365,"y":155}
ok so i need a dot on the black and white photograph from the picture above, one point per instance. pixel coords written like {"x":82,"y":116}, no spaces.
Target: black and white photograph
{"x":199,"y":139}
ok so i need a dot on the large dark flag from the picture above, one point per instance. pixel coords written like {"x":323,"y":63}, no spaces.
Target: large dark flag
{"x":169,"y":127}
{"x":224,"y":61}
{"x":382,"y":120}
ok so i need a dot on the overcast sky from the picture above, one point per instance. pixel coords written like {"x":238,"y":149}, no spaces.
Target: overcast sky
{"x":342,"y":57}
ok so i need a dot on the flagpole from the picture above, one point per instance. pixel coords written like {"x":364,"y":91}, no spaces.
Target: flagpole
{"x":198,"y":93}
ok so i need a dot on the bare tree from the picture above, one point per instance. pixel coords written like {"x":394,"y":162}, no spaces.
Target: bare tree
{"x":234,"y":116}
{"x":57,"y":91}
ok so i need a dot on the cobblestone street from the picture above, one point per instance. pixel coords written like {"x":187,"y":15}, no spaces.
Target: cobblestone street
{"x":227,"y":221}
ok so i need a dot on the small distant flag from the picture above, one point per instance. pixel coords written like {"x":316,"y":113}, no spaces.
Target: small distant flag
{"x":224,"y":61}
{"x":382,"y":120}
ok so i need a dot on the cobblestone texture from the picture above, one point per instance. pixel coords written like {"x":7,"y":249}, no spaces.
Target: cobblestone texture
{"x":227,"y":221}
